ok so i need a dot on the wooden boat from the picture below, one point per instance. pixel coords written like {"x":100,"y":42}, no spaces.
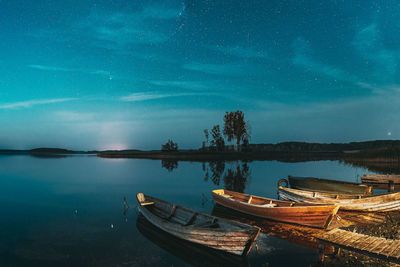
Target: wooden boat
{"x":380,"y":202}
{"x":328,"y":186}
{"x":313,"y":215}
{"x":191,"y":253}
{"x":213,"y":232}
{"x":380,"y":179}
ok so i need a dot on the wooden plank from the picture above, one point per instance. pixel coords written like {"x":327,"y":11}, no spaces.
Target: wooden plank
{"x":147,"y":203}
{"x":338,"y":237}
{"x":367,"y":242}
{"x":377,"y":246}
{"x":360,"y":241}
{"x":387,"y":245}
{"x":350,"y":242}
{"x":346,"y":238}
{"x":387,"y":249}
{"x":391,"y":249}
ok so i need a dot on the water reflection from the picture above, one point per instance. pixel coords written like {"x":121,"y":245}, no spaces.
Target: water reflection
{"x":168,"y":164}
{"x":190,"y":253}
{"x":235,"y":177}
{"x":382,"y":167}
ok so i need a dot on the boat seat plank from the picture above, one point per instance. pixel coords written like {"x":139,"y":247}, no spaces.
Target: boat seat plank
{"x":207,"y":224}
{"x":172,"y":211}
{"x":192,"y":219}
{"x":227,"y":196}
{"x":146,"y":203}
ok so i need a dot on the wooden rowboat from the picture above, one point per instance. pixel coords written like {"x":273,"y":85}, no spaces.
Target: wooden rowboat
{"x":191,"y":253}
{"x":313,"y":215}
{"x":380,"y":202}
{"x":380,"y":179}
{"x":328,"y":186}
{"x":213,"y":232}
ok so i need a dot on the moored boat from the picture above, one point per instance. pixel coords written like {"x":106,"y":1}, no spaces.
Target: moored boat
{"x":213,"y":232}
{"x":313,"y":215}
{"x":380,"y":202}
{"x":380,"y":179}
{"x":328,"y":186}
{"x":191,"y":253}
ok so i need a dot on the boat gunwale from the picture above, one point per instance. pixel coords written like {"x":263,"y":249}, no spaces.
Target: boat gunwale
{"x":243,"y":227}
{"x":302,"y":205}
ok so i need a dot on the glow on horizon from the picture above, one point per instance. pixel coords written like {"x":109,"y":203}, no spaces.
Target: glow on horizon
{"x":115,"y":147}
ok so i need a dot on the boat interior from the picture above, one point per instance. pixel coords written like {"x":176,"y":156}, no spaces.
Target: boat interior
{"x":184,"y":217}
{"x":260,"y":201}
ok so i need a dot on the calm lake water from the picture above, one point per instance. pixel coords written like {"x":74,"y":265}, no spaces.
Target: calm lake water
{"x":69,"y":211}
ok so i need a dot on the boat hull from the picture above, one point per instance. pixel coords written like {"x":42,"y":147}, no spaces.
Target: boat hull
{"x":326,"y":185}
{"x":381,"y":203}
{"x":380,"y":179}
{"x":191,"y":253}
{"x":318,"y":216}
{"x":237,"y":242}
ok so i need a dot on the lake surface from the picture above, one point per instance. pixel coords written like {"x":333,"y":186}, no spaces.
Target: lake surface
{"x":69,"y":211}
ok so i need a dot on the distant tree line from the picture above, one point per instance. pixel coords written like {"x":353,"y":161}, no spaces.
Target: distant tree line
{"x":169,"y":146}
{"x":235,"y":128}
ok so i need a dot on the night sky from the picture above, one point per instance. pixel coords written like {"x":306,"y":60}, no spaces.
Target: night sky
{"x":132,"y":74}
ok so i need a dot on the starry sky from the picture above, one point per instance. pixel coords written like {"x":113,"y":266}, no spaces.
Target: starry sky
{"x":117,"y":74}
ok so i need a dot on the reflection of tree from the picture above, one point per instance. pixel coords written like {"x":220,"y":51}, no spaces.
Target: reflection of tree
{"x":235,"y":177}
{"x":217,"y":169}
{"x":170,"y":165}
{"x":235,"y":180}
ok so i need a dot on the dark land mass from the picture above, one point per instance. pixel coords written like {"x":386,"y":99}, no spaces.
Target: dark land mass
{"x":45,"y":152}
{"x":196,"y":155}
{"x":287,"y":151}
{"x":381,"y":156}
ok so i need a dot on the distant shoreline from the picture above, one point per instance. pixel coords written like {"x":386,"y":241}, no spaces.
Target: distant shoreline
{"x":378,"y":150}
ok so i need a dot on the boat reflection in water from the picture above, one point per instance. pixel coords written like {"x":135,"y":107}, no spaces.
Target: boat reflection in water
{"x":300,"y":235}
{"x":191,"y":253}
{"x":306,"y":236}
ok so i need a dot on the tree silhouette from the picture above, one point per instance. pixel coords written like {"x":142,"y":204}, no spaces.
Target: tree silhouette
{"x":218,"y":142}
{"x":235,"y":127}
{"x":169,"y":146}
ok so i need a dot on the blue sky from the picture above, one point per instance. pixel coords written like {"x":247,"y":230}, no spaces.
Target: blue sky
{"x":132,"y":74}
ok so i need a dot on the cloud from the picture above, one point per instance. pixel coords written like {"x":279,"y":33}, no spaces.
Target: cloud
{"x":369,"y":45}
{"x":240,"y":51}
{"x":30,"y":103}
{"x":137,"y":97}
{"x":217,"y":69}
{"x":303,"y":59}
{"x":73,"y":116}
{"x":191,"y":85}
{"x":52,"y":68}
{"x":153,"y":23}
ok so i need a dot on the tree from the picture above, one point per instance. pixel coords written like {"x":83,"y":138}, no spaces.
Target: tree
{"x":170,"y":146}
{"x":205,"y":143}
{"x":206,"y":134}
{"x":235,"y":127}
{"x":218,"y":141}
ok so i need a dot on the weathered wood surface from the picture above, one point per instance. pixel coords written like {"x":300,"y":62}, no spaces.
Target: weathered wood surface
{"x":313,"y":215}
{"x":328,"y":186}
{"x":213,"y":232}
{"x":380,"y":179}
{"x":381,"y":202}
{"x":191,"y":253}
{"x":387,"y":249}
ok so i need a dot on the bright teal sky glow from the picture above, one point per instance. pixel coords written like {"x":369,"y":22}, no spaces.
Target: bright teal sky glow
{"x":132,"y":74}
